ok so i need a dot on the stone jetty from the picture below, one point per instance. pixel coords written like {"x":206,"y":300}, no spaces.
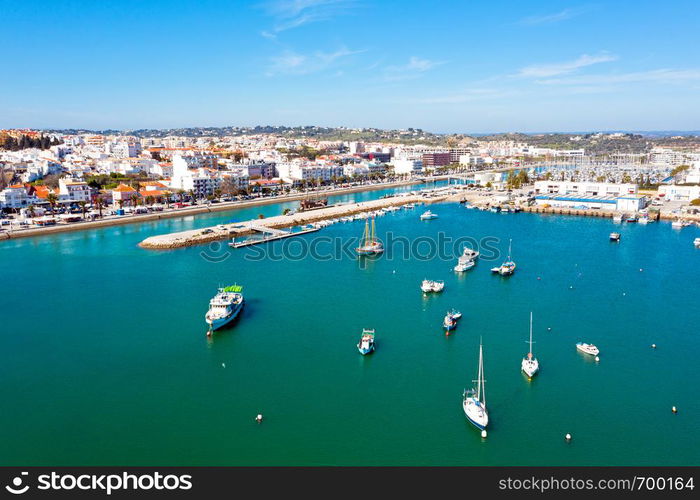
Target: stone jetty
{"x":233,"y":230}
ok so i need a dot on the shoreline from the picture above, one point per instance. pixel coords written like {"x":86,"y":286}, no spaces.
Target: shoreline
{"x":195,"y":210}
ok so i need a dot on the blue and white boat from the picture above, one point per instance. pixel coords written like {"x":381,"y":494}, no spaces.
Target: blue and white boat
{"x":366,"y":343}
{"x":224,"y":307}
{"x":474,"y":402}
{"x":449,"y":323}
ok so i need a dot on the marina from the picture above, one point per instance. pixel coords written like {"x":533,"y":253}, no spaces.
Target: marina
{"x":182,"y":383}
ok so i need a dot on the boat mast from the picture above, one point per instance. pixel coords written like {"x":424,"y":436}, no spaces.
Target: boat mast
{"x":372,"y":237}
{"x":365,"y":234}
{"x":481,"y":393}
{"x":510,"y":242}
{"x":530,"y":332}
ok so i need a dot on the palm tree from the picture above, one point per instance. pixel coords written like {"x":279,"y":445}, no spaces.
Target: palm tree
{"x":53,"y":200}
{"x":100,"y":203}
{"x":82,"y":204}
{"x":30,"y":211}
{"x":150,"y":200}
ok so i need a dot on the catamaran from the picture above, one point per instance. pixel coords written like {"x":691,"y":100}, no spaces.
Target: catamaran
{"x":587,"y":348}
{"x":224,"y":307}
{"x":369,"y":245}
{"x":508,"y":267}
{"x":530,"y":365}
{"x":366,"y":344}
{"x":427,"y":215}
{"x":474,"y":402}
{"x":428,"y":286}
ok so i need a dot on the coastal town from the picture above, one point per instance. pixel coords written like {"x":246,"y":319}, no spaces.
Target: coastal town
{"x":52,"y":179}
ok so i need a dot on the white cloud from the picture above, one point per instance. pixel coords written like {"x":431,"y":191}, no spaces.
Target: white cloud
{"x":467,"y":95}
{"x":413,"y":69}
{"x":669,"y":76}
{"x":563,"y":68}
{"x":293,"y":63}
{"x":552,"y":18}
{"x":289,"y":14}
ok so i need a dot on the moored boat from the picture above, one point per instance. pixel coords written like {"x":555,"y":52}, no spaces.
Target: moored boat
{"x":428,"y":286}
{"x":474,"y":400}
{"x":508,"y":267}
{"x":449,"y":323}
{"x":696,"y":242}
{"x":587,"y":348}
{"x":369,"y":245}
{"x":617,"y":218}
{"x":428,"y":215}
{"x":530,"y":365}
{"x":224,"y":307}
{"x":614,"y":236}
{"x":366,"y":343}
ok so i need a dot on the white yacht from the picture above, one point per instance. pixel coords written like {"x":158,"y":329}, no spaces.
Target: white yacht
{"x":508,"y":267}
{"x":617,"y":218}
{"x":224,"y":307}
{"x":467,"y":260}
{"x":474,"y":402}
{"x":587,"y":348}
{"x":530,"y":365}
{"x":428,"y":215}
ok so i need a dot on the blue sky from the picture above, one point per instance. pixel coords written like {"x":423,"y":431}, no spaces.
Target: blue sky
{"x":445,"y":66}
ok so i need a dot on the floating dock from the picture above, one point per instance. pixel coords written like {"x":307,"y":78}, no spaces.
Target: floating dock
{"x":274,"y":234}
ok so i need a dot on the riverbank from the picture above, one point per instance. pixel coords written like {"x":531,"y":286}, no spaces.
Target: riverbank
{"x":195,"y":210}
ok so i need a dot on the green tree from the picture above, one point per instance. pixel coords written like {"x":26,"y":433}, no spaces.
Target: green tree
{"x":53,"y":200}
{"x":83,"y":204}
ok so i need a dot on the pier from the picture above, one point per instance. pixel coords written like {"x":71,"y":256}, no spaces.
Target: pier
{"x":270,"y":224}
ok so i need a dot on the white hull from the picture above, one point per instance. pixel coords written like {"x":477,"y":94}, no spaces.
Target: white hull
{"x":530,"y":367}
{"x":588,"y":349}
{"x":475,"y":412}
{"x":216,"y":323}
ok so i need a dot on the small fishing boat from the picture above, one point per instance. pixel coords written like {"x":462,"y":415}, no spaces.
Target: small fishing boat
{"x":587,"y":348}
{"x":428,"y":286}
{"x":508,"y":267}
{"x":614,"y":236}
{"x":224,"y":307}
{"x":530,"y":365}
{"x":644,"y":219}
{"x":696,"y":242}
{"x":617,"y":218}
{"x":428,"y":215}
{"x":449,"y":323}
{"x":678,"y":224}
{"x":631,"y":218}
{"x":455,"y":314}
{"x":369,"y":244}
{"x":366,"y":343}
{"x":474,"y":400}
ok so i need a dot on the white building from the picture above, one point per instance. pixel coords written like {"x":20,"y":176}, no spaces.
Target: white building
{"x":71,"y":190}
{"x":584,"y":188}
{"x":15,"y":197}
{"x":679,"y":193}
{"x":407,"y":166}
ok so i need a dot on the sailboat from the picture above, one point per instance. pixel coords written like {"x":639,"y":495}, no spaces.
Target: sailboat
{"x":508,"y":267}
{"x":369,"y":244}
{"x":530,"y":365}
{"x":474,"y":403}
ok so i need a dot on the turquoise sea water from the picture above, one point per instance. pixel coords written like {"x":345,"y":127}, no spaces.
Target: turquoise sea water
{"x":104,"y":358}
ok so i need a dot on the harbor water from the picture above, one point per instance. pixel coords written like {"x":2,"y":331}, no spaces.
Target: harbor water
{"x":104,"y":357}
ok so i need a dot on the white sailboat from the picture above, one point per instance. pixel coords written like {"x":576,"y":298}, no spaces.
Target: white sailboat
{"x":474,"y":402}
{"x":530,"y":365}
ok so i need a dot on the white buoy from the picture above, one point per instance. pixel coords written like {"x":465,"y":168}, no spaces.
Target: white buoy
{"x":223,"y":365}
{"x":640,"y":269}
{"x":483,"y":433}
{"x":653,"y":346}
{"x":571,"y":287}
{"x":259,"y":418}
{"x":567,"y":437}
{"x":549,"y":328}
{"x":623,"y":294}
{"x":597,"y":358}
{"x":674,"y":410}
